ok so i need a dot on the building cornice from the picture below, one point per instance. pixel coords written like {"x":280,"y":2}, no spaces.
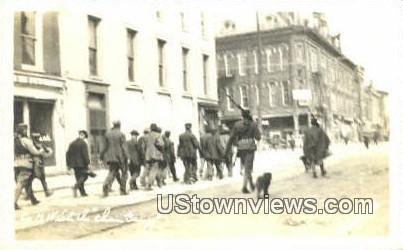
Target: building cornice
{"x":278,"y":35}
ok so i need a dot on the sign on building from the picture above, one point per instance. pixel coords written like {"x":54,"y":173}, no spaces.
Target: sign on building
{"x":303,"y":96}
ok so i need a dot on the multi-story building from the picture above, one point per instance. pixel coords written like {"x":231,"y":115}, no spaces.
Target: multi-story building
{"x":83,"y":68}
{"x":375,"y":113}
{"x":296,"y":54}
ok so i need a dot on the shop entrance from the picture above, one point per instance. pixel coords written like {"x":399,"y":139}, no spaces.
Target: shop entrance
{"x":38,"y":115}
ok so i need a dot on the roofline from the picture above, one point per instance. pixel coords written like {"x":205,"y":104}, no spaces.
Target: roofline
{"x":294,"y":29}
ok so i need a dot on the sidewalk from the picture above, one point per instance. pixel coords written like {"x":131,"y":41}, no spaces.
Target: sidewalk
{"x":282,"y":163}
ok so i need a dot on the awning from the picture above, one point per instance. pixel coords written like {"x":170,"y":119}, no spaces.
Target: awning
{"x":208,"y":105}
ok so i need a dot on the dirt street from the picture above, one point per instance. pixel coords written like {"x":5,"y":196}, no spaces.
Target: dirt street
{"x":363,"y":174}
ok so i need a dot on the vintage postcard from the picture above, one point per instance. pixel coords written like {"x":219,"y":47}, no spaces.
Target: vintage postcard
{"x":227,"y":123}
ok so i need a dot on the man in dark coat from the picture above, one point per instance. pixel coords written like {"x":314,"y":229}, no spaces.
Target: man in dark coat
{"x":133,"y":151}
{"x":187,"y":151}
{"x":215,"y":153}
{"x":169,"y":154}
{"x":204,"y":156}
{"x":78,"y":159}
{"x":224,"y":137}
{"x":316,"y":145}
{"x":115,"y":156}
{"x":243,"y":135}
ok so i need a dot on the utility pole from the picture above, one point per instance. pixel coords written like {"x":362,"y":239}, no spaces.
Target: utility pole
{"x":259,"y":74}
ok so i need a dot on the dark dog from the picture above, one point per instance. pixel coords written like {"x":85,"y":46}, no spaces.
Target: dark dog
{"x":305,"y":162}
{"x":263,"y":184}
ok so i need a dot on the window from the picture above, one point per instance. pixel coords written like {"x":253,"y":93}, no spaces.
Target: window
{"x":230,"y":92}
{"x":205,"y":74}
{"x":241,"y":63}
{"x":93,"y":45}
{"x":275,"y":94}
{"x":256,"y":63}
{"x":275,"y":60}
{"x":299,"y":53}
{"x":228,"y":72}
{"x":31,"y":34}
{"x":244,"y":96}
{"x":268,"y":60}
{"x":284,"y":56}
{"x":161,"y":55}
{"x":314,"y":61}
{"x":28,"y":37}
{"x":286,"y":93}
{"x":185,"y":53}
{"x":257,"y":94}
{"x":130,"y":54}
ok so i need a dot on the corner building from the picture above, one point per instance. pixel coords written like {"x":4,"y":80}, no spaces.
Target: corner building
{"x":82,"y":68}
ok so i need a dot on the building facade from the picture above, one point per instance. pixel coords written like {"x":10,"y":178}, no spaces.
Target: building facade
{"x":375,"y":113}
{"x":81,"y":69}
{"x":296,"y":55}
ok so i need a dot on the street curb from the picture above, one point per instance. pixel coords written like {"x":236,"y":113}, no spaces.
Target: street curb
{"x":151,"y":198}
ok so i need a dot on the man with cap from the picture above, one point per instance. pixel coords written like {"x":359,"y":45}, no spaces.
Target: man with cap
{"x":133,"y":151}
{"x":187,"y":151}
{"x":215,"y":152}
{"x":142,"y":154}
{"x":78,"y":159}
{"x":224,"y":137}
{"x":38,"y":160}
{"x":243,"y":135}
{"x":315,"y":147}
{"x":169,"y":154}
{"x":204,"y":155}
{"x":153,"y":156}
{"x":114,"y":154}
{"x":24,"y":149}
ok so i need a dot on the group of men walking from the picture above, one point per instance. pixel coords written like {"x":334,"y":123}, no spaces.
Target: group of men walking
{"x":149,"y":156}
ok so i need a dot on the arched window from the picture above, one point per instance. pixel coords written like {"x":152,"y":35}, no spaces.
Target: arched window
{"x":299,"y":53}
{"x":285,"y":53}
{"x":276,"y":97}
{"x":275,"y":61}
{"x":286,"y":93}
{"x":244,"y":96}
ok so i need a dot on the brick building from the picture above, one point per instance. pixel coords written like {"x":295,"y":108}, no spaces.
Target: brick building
{"x":296,"y":54}
{"x":81,"y":68}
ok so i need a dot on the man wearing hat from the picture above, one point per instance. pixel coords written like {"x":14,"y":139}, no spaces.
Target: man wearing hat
{"x":24,"y":149}
{"x":204,"y":154}
{"x":187,"y":151}
{"x":224,"y":137}
{"x":315,"y":147}
{"x":153,"y":156}
{"x":114,"y":154}
{"x":169,"y":154}
{"x":38,"y":160}
{"x":142,"y":154}
{"x":215,"y":152}
{"x":133,"y":151}
{"x":243,"y":135}
{"x":78,"y":159}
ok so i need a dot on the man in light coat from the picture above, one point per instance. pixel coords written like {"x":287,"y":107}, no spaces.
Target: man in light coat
{"x":115,"y":157}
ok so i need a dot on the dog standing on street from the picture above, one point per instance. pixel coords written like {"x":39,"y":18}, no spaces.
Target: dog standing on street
{"x":263,"y":184}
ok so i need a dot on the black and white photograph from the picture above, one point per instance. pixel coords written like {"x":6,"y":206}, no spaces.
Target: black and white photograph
{"x":238,"y":123}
